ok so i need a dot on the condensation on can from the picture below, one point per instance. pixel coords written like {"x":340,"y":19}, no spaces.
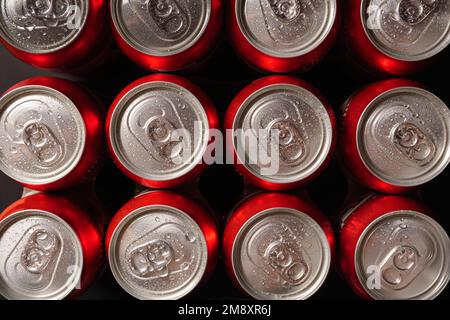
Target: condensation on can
{"x":407,"y":30}
{"x":403,"y":136}
{"x":160,"y":28}
{"x":277,"y":246}
{"x":392,"y":248}
{"x":42,"y":136}
{"x":158,"y":131}
{"x":285,"y":28}
{"x":303,"y":120}
{"x":161,"y":245}
{"x":42,"y":27}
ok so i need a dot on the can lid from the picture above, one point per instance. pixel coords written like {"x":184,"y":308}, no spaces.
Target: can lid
{"x":284,"y":120}
{"x":285,"y":28}
{"x":409,"y":30}
{"x":159,"y":131}
{"x":42,"y":26}
{"x":403,"y":136}
{"x":403,"y":255}
{"x":40,"y":256}
{"x":42,"y":134}
{"x":281,"y":253}
{"x":160,"y":28}
{"x":158,"y":252}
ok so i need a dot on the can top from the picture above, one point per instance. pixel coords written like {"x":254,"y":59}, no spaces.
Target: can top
{"x":42,"y":26}
{"x":42,"y":134}
{"x":159,"y":131}
{"x":40,"y":256}
{"x":285,"y":28}
{"x":160,"y":28}
{"x":281,"y":253}
{"x":287,"y":120}
{"x":403,"y":136}
{"x":403,"y":255}
{"x":408,"y":30}
{"x":158,"y":252}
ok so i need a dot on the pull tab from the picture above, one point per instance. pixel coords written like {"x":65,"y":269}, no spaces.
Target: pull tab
{"x":170,"y":17}
{"x":160,"y":131}
{"x":280,"y":258}
{"x":161,"y":252}
{"x":151,"y":258}
{"x":41,"y":142}
{"x":39,"y":9}
{"x":53,"y":13}
{"x":285,"y":10}
{"x":291,"y":144}
{"x":414,"y":144}
{"x":400,"y":266}
{"x":39,"y":251}
{"x":415,"y":11}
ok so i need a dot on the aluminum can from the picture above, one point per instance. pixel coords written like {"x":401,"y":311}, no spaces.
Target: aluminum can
{"x":166,"y":35}
{"x":161,"y":245}
{"x":281,"y":132}
{"x":391,"y":247}
{"x":278,"y":246}
{"x":62,"y":35}
{"x":51,"y":134}
{"x":158,"y":129}
{"x":283,"y":35}
{"x":396,"y":37}
{"x":50,"y":248}
{"x":395,"y":135}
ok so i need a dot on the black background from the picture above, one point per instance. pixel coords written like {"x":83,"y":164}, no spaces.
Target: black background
{"x":221,"y":78}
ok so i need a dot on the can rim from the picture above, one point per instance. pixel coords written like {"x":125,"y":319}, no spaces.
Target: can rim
{"x":439,"y":165}
{"x":445,"y":274}
{"x":438,"y":48}
{"x":23,"y":91}
{"x":327,"y":142}
{"x":10,"y":42}
{"x":326,"y":253}
{"x":120,"y":107}
{"x":331,"y":18}
{"x":115,"y":266}
{"x":10,"y":219}
{"x":126,"y":35}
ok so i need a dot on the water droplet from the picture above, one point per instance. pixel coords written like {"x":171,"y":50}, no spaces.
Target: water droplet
{"x":190,"y":237}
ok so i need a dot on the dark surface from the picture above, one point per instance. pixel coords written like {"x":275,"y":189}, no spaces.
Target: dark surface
{"x":222,"y":78}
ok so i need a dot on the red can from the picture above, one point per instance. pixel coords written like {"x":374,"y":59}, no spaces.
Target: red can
{"x":51,"y":133}
{"x":158,"y":129}
{"x":161,"y":245}
{"x":167,"y":35}
{"x":60,"y":35}
{"x":394,"y":135}
{"x":51,"y":248}
{"x":278,"y":246}
{"x":283,"y":35}
{"x":396,"y":37}
{"x":281,"y":132}
{"x":392,"y":248}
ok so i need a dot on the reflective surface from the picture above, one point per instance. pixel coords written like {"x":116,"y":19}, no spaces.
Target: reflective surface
{"x":42,"y":26}
{"x":40,"y":256}
{"x":285,"y":28}
{"x":158,"y":252}
{"x":161,"y":27}
{"x":42,"y":135}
